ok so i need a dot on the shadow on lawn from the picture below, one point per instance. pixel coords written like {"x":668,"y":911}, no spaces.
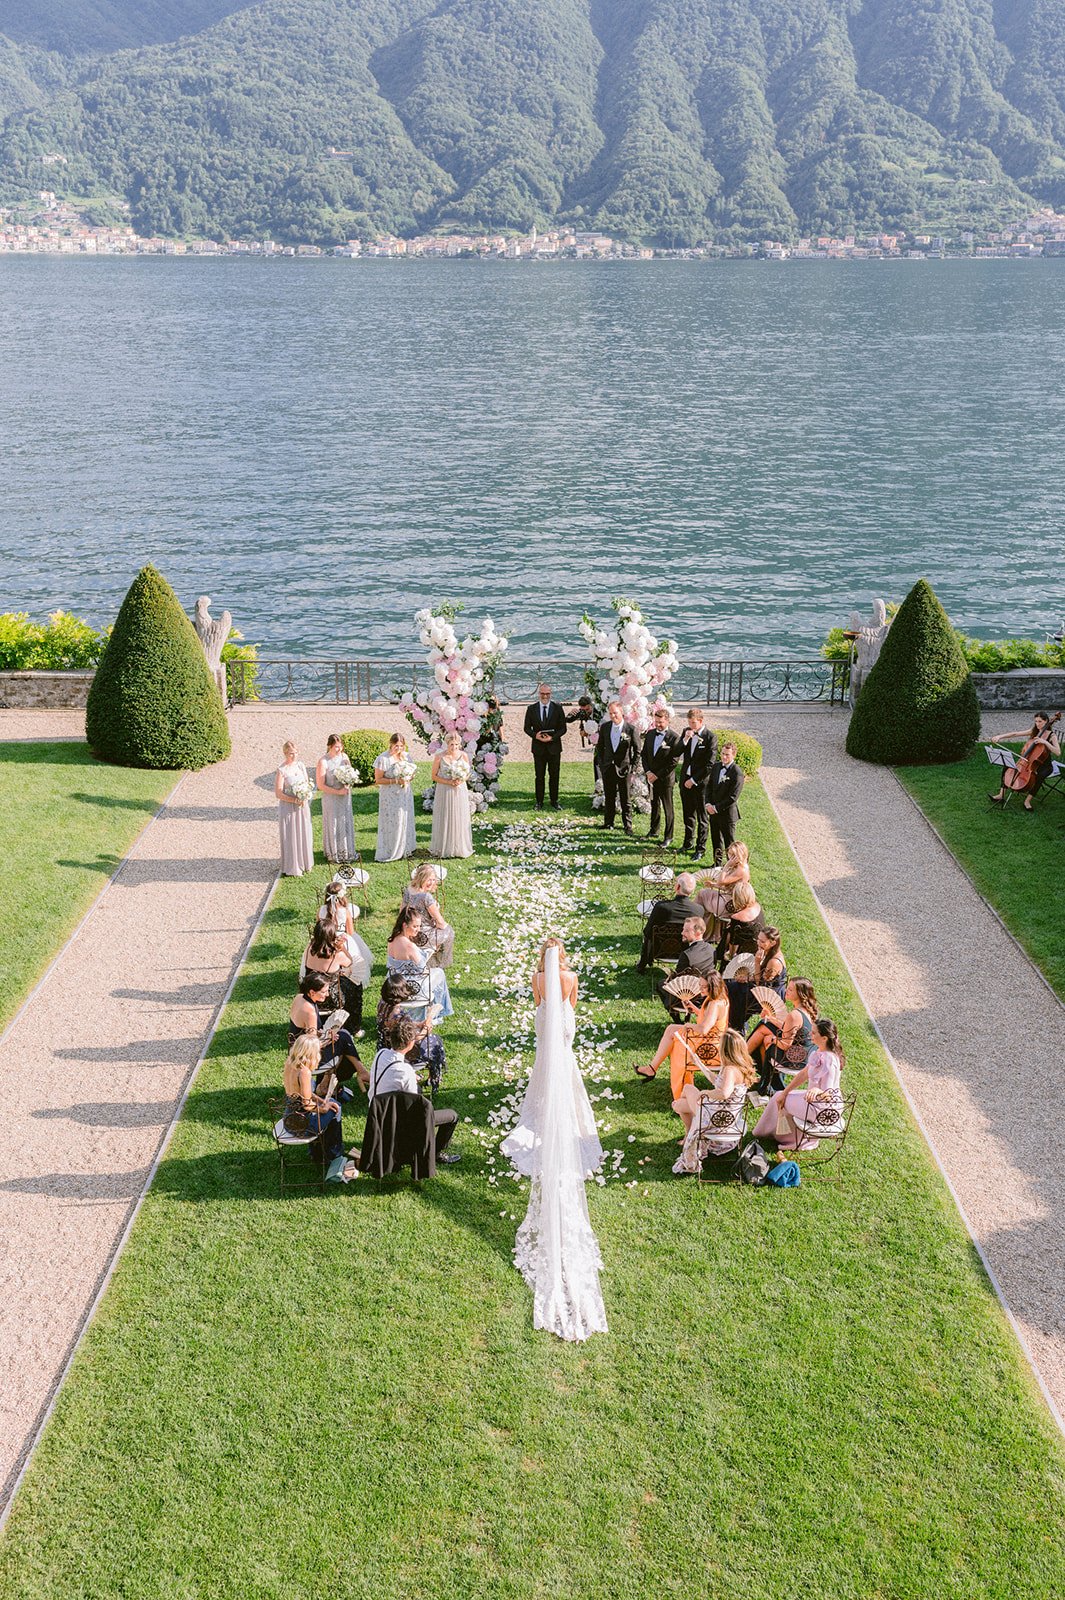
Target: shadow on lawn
{"x":111,"y":802}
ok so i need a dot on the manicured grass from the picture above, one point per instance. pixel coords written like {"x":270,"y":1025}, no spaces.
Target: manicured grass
{"x":66,"y":821}
{"x":1015,"y":860}
{"x":809,"y":1392}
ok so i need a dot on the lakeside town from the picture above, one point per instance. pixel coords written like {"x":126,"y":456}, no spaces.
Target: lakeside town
{"x":52,"y":226}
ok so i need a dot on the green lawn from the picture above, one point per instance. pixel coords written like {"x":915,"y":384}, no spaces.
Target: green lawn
{"x":1015,"y":860}
{"x":803,"y":1393}
{"x":66,"y":821}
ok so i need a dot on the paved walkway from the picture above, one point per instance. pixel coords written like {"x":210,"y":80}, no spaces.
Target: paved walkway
{"x":974,"y":1031}
{"x":139,"y":986}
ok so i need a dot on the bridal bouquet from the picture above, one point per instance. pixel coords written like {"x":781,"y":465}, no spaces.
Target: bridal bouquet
{"x":302,"y":790}
{"x":345,"y":776}
{"x":403,"y":769}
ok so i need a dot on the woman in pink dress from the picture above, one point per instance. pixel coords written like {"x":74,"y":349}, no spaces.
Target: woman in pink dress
{"x":814,"y":1091}
{"x":292,"y":786}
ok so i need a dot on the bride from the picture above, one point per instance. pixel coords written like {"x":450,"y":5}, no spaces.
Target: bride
{"x":555,"y":1143}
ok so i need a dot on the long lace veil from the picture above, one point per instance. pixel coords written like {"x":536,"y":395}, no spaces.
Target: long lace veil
{"x":555,"y":1250}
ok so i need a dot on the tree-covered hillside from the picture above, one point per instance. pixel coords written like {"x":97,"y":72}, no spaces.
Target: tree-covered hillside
{"x":663,"y":120}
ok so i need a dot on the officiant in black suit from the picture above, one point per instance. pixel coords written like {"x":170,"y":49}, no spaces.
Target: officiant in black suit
{"x":661,"y":747}
{"x":723,"y":785}
{"x":698,"y":751}
{"x":545,"y":725}
{"x":617,"y":753}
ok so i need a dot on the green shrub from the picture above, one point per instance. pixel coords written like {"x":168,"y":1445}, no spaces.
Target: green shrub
{"x":1008,"y":655}
{"x":153,"y":702}
{"x":247,"y":680}
{"x":363,"y":746}
{"x":62,"y":644}
{"x":748,"y":750}
{"x":918,"y":703}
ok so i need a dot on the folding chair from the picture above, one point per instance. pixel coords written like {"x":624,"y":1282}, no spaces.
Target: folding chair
{"x":827,"y":1121}
{"x":286,"y":1143}
{"x":720,"y":1119}
{"x":666,"y":946}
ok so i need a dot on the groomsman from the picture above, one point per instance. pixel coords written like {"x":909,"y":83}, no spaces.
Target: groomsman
{"x":698,"y":750}
{"x":617,"y":754}
{"x":723,"y":787}
{"x":545,"y":724}
{"x":661,"y":747}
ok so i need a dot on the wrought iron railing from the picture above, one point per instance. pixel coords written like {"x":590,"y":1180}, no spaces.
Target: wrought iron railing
{"x":314,"y":681}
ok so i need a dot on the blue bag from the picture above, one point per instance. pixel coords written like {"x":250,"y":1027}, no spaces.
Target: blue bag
{"x":785,"y":1175}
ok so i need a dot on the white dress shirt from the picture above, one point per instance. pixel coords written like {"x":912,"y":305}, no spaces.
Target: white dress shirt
{"x":391,"y":1071}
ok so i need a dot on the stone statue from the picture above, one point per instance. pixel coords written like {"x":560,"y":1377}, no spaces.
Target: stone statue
{"x":213,"y":636}
{"x":868,"y":642}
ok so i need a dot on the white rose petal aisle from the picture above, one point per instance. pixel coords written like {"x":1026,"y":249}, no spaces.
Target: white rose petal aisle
{"x":541,"y":880}
{"x":458,"y":701}
{"x":628,"y":664}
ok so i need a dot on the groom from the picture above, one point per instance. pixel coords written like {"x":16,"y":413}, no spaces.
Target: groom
{"x":545,"y":724}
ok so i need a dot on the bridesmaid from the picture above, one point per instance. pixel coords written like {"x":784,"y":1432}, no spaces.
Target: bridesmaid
{"x":452,"y":829}
{"x":292,"y":787}
{"x":395,"y":802}
{"x":338,"y":827}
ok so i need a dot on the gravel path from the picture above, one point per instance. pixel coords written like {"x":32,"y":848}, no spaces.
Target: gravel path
{"x":138,"y":987}
{"x":974,"y":1030}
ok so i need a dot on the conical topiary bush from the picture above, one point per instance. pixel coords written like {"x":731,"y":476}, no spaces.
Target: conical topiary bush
{"x":153,"y":702}
{"x":918,"y":703}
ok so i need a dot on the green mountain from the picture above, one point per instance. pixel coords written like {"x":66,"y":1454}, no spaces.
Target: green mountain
{"x":664,"y":120}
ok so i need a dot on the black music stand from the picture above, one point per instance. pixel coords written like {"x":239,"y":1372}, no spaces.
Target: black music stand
{"x":1004,"y":759}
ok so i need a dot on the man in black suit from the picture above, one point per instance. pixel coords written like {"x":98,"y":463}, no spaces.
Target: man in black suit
{"x":661,"y":747}
{"x":672,"y":913}
{"x":723,"y":787}
{"x":697,"y":754}
{"x":616,"y":750}
{"x":698,"y":956}
{"x":545,"y":724}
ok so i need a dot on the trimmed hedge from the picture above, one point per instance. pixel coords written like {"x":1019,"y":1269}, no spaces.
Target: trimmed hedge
{"x":918,"y":703}
{"x":153,"y":702}
{"x":748,"y":750}
{"x":363,"y":746}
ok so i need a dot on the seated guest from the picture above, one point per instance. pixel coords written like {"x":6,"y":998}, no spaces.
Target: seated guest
{"x":716,"y":895}
{"x":305,"y":1018}
{"x":781,"y":1049}
{"x":429,"y":1047}
{"x":406,"y":955}
{"x":392,"y":1073}
{"x":737,"y":1074}
{"x":745,"y":923}
{"x":421,"y":894}
{"x":337,"y":908}
{"x":682,"y":1043}
{"x":769,"y":969}
{"x":672,"y":913}
{"x":327,"y":954}
{"x":818,"y":1081}
{"x":697,"y":956}
{"x":309,"y":1113}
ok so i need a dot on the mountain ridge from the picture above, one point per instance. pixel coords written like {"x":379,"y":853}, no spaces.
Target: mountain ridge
{"x":666,"y":121}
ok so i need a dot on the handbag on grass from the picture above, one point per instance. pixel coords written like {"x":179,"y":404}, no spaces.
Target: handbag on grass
{"x":753,"y":1166}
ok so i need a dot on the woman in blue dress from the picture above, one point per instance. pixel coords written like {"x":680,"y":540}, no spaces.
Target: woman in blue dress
{"x":407,"y":956}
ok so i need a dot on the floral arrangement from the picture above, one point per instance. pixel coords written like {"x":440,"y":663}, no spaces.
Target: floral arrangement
{"x":400,"y":767}
{"x":461,"y":699}
{"x":345,"y":776}
{"x":302,"y":790}
{"x":628,"y":664}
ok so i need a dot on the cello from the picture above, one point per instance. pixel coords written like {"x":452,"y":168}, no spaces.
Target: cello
{"x":1027,"y":775}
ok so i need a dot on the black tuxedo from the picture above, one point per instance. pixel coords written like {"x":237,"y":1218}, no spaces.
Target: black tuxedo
{"x":672,"y":913}
{"x":616,"y":768}
{"x":546,"y":757}
{"x":664,"y":766}
{"x":698,"y":751}
{"x":700,"y":958}
{"x":723,"y":787}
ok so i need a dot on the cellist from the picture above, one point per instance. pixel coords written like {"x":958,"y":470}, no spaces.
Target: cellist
{"x":1040,"y":745}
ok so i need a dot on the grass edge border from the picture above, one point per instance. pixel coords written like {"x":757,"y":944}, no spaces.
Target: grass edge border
{"x":160,"y":1153}
{"x":930,"y":1145}
{"x":76,"y":931}
{"x":977,"y":891}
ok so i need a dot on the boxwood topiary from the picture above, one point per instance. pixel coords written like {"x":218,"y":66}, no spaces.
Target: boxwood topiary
{"x":748,"y":750}
{"x":153,"y":702}
{"x":363,"y":746}
{"x":918,"y":703}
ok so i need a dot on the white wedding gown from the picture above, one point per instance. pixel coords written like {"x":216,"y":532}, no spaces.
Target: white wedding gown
{"x":555,"y":1143}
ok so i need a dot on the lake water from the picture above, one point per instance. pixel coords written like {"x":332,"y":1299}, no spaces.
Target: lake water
{"x":750,"y":450}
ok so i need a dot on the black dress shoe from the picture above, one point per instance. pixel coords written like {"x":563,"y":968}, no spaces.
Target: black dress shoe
{"x":555,"y":806}
{"x":630,"y":833}
{"x":449,"y":1158}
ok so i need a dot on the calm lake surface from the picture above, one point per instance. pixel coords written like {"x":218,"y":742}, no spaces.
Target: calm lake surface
{"x":749,"y":450}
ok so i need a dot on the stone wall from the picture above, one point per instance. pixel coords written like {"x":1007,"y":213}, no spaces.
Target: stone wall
{"x":1032,"y":689}
{"x":45,"y":691}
